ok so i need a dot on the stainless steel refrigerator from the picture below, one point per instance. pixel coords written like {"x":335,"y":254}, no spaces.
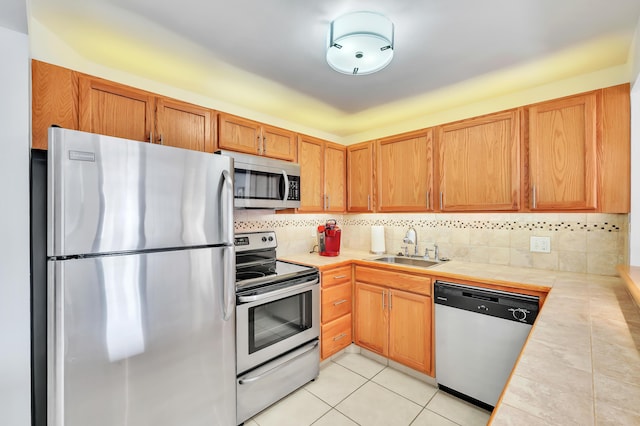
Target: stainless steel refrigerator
{"x":141,"y":284}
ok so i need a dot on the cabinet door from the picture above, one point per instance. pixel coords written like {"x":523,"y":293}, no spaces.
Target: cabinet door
{"x":238,"y":134}
{"x":278,"y":143}
{"x":562,"y":154}
{"x":479,"y":163}
{"x":371,"y":331}
{"x":335,"y":157}
{"x":410,"y":330}
{"x":54,"y":100}
{"x":184,"y":125}
{"x":336,"y":302}
{"x":335,"y":336}
{"x":405,"y":172}
{"x":310,"y":157}
{"x":115,"y":110}
{"x":614,"y":190}
{"x":360,"y":177}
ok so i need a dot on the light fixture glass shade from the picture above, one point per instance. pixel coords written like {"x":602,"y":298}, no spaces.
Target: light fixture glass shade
{"x":360,"y":43}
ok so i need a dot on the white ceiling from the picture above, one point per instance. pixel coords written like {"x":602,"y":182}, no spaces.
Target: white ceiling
{"x":277,"y":48}
{"x":13,"y":15}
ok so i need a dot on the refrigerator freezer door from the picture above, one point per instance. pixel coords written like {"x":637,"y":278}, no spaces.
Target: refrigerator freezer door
{"x":114,"y":195}
{"x":142,"y":339}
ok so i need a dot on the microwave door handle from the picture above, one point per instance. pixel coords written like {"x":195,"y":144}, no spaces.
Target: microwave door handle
{"x":286,"y":186}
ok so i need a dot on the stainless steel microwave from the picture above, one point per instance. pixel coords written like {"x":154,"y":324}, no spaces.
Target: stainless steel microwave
{"x":264,"y":183}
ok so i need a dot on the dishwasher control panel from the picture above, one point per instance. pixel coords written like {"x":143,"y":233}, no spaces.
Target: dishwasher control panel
{"x":509,"y":306}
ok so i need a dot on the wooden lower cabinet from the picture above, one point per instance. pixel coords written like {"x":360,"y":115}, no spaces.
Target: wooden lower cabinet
{"x":391,"y":322}
{"x":371,"y":322}
{"x":336,"y":336}
{"x":335,"y":310}
{"x":410,"y":330}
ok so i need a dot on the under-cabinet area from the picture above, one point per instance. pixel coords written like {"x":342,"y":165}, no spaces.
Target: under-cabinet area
{"x":570,"y":154}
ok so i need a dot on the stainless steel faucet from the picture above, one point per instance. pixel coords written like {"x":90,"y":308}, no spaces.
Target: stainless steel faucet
{"x":436,"y":254}
{"x":411,"y":237}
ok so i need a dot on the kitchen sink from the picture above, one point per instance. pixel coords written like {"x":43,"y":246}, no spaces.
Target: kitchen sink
{"x":412,"y":261}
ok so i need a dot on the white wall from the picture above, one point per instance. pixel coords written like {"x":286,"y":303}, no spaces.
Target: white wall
{"x":15,"y":405}
{"x":634,"y":217}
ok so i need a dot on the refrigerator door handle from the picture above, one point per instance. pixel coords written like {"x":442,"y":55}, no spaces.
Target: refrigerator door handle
{"x":227,"y":214}
{"x":229,"y":285}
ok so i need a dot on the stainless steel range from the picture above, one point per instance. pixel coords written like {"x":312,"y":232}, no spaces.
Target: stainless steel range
{"x":277,"y":324}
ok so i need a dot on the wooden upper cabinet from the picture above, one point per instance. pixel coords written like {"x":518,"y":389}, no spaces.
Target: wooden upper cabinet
{"x":310,"y":154}
{"x":54,"y":100}
{"x":335,"y":163}
{"x":615,"y":150}
{"x":242,"y":135}
{"x":113,"y":109}
{"x":562,"y":154}
{"x":405,"y":172}
{"x":278,"y":143}
{"x":184,"y":125}
{"x":238,"y":134}
{"x":360,"y":177}
{"x":322,"y":175}
{"x":479,"y":163}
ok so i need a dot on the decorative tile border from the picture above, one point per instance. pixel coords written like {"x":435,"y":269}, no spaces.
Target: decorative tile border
{"x":615,"y":223}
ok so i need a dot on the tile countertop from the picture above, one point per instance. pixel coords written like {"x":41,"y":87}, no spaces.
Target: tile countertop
{"x":581,"y":363}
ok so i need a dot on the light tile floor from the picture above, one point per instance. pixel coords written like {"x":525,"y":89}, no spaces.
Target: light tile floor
{"x":355,"y":390}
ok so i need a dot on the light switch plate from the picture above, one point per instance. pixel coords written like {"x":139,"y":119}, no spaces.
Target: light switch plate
{"x":540,"y":244}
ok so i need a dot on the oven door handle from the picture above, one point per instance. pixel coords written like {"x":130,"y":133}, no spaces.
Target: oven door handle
{"x":268,"y":295}
{"x":302,"y":351}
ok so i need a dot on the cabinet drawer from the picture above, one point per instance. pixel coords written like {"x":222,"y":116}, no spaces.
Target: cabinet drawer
{"x":335,"y":336}
{"x":336,"y":276}
{"x":336,"y":301}
{"x":395,"y":279}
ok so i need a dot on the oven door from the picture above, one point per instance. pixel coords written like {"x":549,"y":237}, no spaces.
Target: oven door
{"x":273,"y":323}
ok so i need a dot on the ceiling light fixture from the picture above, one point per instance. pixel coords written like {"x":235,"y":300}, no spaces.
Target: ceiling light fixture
{"x":360,"y":43}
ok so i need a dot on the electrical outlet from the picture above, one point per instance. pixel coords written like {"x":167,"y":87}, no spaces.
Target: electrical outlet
{"x":540,"y":244}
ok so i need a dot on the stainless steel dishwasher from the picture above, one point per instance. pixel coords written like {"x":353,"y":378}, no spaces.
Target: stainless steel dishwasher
{"x":479,"y":335}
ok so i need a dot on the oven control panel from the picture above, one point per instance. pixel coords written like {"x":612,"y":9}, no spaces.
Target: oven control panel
{"x":255,"y":241}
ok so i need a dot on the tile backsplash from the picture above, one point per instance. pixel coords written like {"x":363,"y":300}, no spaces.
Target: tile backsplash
{"x":580,"y":242}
